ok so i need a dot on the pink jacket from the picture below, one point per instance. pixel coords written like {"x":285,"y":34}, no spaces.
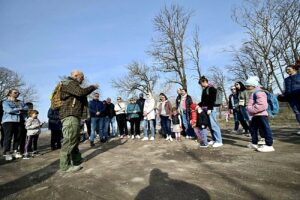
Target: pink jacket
{"x":258,"y":108}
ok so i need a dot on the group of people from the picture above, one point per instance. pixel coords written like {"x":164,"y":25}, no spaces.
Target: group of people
{"x":20,"y":127}
{"x":248,"y":103}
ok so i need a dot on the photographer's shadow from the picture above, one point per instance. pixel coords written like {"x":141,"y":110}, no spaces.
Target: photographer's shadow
{"x":162,"y":188}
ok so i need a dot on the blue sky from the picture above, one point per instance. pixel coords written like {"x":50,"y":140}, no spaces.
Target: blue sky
{"x":42,"y":40}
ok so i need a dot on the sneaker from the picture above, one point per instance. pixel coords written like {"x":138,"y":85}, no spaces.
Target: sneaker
{"x":26,"y":157}
{"x":265,"y":148}
{"x":203,"y":145}
{"x":234,"y":132}
{"x":217,"y":144}
{"x":145,"y":138}
{"x":261,"y":141}
{"x":128,"y":136}
{"x":132,"y":137}
{"x":211,"y":142}
{"x":74,"y":169}
{"x":122,"y":136}
{"x":170,"y":138}
{"x":138,"y":136}
{"x":8,"y":157}
{"x":17,"y":155}
{"x":187,"y":137}
{"x":298,"y":133}
{"x":252,"y":146}
{"x":167,"y":138}
{"x":152,"y":138}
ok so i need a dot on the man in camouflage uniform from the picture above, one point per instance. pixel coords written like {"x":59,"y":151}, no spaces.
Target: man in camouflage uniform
{"x":73,"y":109}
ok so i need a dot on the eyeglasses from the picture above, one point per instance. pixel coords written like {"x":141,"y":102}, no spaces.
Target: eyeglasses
{"x":118,"y":99}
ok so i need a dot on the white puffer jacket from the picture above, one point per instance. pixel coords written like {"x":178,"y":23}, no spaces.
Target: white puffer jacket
{"x":33,"y":126}
{"x":149,"y":109}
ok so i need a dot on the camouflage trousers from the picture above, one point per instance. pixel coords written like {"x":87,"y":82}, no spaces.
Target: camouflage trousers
{"x":69,"y":153}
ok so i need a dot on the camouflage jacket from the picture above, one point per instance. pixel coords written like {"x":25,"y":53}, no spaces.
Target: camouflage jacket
{"x":75,"y":99}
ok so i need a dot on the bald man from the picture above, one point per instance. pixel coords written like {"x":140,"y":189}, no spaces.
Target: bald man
{"x":72,"y":111}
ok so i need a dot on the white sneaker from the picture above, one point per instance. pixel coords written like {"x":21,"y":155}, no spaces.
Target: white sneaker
{"x":252,"y":146}
{"x":265,"y":148}
{"x":211,"y":142}
{"x":187,"y":137}
{"x":132,"y":137}
{"x":145,"y":139}
{"x":217,"y":144}
{"x":298,"y":133}
{"x":261,"y":141}
{"x":138,"y":137}
{"x":8,"y":157}
{"x":152,"y":138}
{"x":170,"y":138}
{"x":234,"y":132}
{"x":128,"y":136}
{"x":167,"y":138}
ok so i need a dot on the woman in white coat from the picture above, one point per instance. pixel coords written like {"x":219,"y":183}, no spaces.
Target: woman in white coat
{"x":149,"y":116}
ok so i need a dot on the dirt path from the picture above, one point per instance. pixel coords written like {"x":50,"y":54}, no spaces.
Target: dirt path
{"x":133,"y":169}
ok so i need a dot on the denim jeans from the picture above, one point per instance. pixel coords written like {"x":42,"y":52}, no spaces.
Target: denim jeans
{"x":165,"y":125}
{"x":236,"y":120}
{"x":295,"y":105}
{"x":186,"y":123}
{"x":214,"y":127}
{"x":113,"y":124}
{"x":151,"y":122}
{"x":95,"y":127}
{"x":261,"y":123}
{"x":105,"y":124}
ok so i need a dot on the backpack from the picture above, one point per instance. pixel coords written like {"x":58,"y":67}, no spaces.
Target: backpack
{"x":273,"y":105}
{"x":56,"y":101}
{"x":219,"y":96}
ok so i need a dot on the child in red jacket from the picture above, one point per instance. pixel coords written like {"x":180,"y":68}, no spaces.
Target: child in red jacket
{"x":199,"y":121}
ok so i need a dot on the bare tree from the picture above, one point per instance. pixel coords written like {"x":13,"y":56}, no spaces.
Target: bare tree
{"x":11,"y":80}
{"x":272,"y":27}
{"x":218,"y":78}
{"x":194,"y":54}
{"x":169,"y":46}
{"x":139,"y":78}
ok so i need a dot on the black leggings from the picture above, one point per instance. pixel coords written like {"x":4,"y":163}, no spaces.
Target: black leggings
{"x":135,"y":126}
{"x":11,"y":130}
{"x":122,"y":124}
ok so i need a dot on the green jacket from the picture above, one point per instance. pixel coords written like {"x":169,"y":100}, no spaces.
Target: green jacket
{"x":75,"y":99}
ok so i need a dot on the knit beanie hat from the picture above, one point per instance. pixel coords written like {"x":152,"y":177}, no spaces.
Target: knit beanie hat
{"x":252,"y":81}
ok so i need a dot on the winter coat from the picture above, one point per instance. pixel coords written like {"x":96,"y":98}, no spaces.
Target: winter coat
{"x":233,"y":101}
{"x":120,"y":108}
{"x":176,"y":119}
{"x":54,"y":123}
{"x":260,"y":106}
{"x":75,"y":99}
{"x":167,"y":107}
{"x":188,"y":103}
{"x":208,"y":98}
{"x":292,"y":85}
{"x":111,"y":110}
{"x":133,"y":110}
{"x":33,"y":126}
{"x":12,"y":110}
{"x":149,"y":109}
{"x":202,"y":120}
{"x":96,"y":106}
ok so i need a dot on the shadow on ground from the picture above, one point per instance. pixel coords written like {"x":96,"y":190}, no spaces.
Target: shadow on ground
{"x":45,"y":173}
{"x":161,"y":186}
